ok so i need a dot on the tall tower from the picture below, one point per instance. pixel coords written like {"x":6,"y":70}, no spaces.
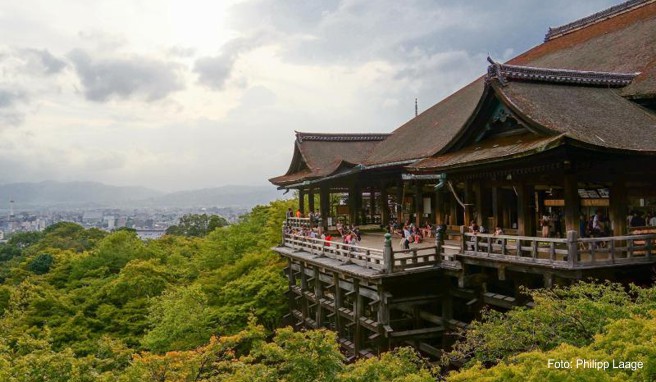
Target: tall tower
{"x":11,"y":208}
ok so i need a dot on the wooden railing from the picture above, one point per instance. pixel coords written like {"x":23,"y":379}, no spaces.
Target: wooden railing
{"x":385,"y":260}
{"x":345,"y":253}
{"x":298,"y":222}
{"x":571,"y":252}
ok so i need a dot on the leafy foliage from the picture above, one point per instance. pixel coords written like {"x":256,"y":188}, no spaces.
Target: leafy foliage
{"x":571,"y":315}
{"x":41,"y":263}
{"x":197,"y":225}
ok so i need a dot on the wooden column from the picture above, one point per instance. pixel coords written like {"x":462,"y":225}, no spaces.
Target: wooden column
{"x":357,"y":313}
{"x":372,"y":203}
{"x":497,"y":207}
{"x":419,"y":203}
{"x":318,"y":294}
{"x":384,"y":205}
{"x":572,"y":203}
{"x":304,"y":287}
{"x":324,"y":205}
{"x":311,"y":200}
{"x":338,"y":304}
{"x":439,"y":206}
{"x":525,"y":219}
{"x":359,"y":215}
{"x":478,"y":203}
{"x":617,"y":209}
{"x":352,"y":203}
{"x":301,"y":200}
{"x":468,"y":200}
{"x":399,"y":205}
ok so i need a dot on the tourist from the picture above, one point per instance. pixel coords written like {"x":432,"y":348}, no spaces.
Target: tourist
{"x":497,"y":232}
{"x":426,"y":230}
{"x":290,"y":213}
{"x":544,"y":223}
{"x":637,"y":220}
{"x":340,"y":228}
{"x":474,"y":229}
{"x":406,"y":237}
{"x":597,"y":224}
{"x":298,"y":213}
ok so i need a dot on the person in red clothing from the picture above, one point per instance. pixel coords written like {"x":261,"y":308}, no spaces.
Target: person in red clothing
{"x":298,"y":213}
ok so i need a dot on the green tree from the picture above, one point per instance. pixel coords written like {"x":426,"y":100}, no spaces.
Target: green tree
{"x":197,"y":225}
{"x":180,"y":320}
{"x":571,"y":315}
{"x":41,"y":263}
{"x":400,"y":365}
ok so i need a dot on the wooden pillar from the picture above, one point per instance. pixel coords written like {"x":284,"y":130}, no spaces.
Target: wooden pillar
{"x":525,"y":220}
{"x":384,"y":206}
{"x":572,"y":203}
{"x":399,"y":204}
{"x":617,"y":209}
{"x":324,"y":205}
{"x":338,"y":304}
{"x":352,"y":203}
{"x":301,"y":200}
{"x":357,"y":313}
{"x":304,"y":287}
{"x":318,"y":294}
{"x":419,"y":203}
{"x":439,"y":207}
{"x":359,"y":215}
{"x":497,"y":207}
{"x":478,"y":203}
{"x":372,"y":204}
{"x":468,"y":200}
{"x":311,"y":200}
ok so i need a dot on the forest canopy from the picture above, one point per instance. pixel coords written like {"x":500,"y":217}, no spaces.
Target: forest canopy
{"x":86,"y":305}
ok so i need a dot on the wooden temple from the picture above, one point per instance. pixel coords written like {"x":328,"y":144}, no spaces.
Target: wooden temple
{"x":566,"y":129}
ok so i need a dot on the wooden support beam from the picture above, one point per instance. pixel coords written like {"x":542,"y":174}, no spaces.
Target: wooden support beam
{"x":418,"y":333}
{"x":301,"y":200}
{"x":324,"y":205}
{"x":572,"y":202}
{"x":311,"y":200}
{"x":384,"y":205}
{"x":357,"y":310}
{"x":318,"y":293}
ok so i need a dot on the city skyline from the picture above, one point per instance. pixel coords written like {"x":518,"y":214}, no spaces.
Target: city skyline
{"x":187,"y":95}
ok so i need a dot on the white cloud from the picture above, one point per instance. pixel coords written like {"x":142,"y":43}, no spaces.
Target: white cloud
{"x":231,"y":80}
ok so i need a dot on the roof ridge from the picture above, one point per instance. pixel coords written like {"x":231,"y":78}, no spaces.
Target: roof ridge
{"x":613,"y":11}
{"x":504,"y":72}
{"x":340,"y":137}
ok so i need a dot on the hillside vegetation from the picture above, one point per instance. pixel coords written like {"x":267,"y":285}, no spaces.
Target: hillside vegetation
{"x":85,"y":305}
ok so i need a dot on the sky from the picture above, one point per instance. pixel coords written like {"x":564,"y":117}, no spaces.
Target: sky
{"x":187,"y":94}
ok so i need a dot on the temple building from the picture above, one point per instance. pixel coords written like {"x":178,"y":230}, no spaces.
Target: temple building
{"x":564,"y":133}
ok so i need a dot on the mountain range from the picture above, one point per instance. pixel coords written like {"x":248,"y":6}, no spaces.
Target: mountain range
{"x":95,"y":195}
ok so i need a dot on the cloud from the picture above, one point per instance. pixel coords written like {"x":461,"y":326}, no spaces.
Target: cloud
{"x":214,"y":71}
{"x":42,"y":61}
{"x":125,"y":78}
{"x":10,"y":113}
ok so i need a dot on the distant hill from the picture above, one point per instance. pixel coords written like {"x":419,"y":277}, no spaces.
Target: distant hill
{"x":226,"y":196}
{"x":94,"y":195}
{"x":70,"y":194}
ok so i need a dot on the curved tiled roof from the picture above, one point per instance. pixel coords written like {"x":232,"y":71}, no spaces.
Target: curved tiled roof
{"x":489,"y":151}
{"x":425,"y":134}
{"x":319,"y":155}
{"x":594,"y":115}
{"x":623,"y":43}
{"x":594,"y":18}
{"x":504,"y":72}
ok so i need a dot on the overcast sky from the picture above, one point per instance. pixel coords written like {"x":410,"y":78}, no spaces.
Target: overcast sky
{"x":188,"y":94}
